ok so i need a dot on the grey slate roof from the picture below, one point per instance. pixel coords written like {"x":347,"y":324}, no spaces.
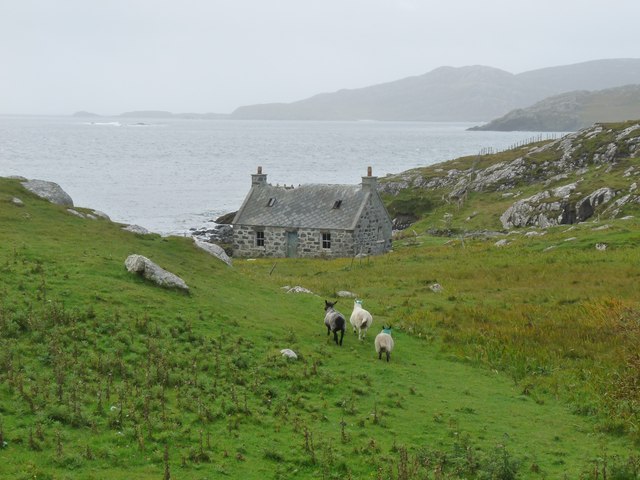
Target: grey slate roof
{"x":306,"y":206}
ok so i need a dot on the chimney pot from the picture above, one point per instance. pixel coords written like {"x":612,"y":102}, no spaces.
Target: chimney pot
{"x":369,"y":182}
{"x":258,"y":179}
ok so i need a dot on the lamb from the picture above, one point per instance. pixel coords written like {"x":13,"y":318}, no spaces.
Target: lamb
{"x":360,"y":319}
{"x":384,"y":343}
{"x":334,"y":321}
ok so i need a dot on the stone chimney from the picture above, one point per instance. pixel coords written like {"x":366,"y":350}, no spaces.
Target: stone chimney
{"x":369,"y":183}
{"x":258,"y":179}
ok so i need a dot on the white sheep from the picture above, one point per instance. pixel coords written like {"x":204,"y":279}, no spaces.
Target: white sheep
{"x":360,"y":319}
{"x":384,"y":343}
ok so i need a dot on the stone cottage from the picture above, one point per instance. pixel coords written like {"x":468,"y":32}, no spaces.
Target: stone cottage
{"x":311,"y":220}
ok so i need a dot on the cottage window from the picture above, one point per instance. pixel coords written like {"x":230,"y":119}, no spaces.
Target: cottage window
{"x":337,"y":204}
{"x":260,"y":239}
{"x":326,"y":240}
{"x":271,"y":202}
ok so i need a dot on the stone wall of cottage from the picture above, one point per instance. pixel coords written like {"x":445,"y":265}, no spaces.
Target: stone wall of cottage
{"x":373,"y":231}
{"x":275,"y":242}
{"x":372,"y":236}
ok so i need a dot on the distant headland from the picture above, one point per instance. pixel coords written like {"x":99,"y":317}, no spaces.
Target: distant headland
{"x":154,"y":114}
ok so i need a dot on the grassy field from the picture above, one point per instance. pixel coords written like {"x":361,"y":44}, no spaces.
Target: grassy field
{"x":525,"y":365}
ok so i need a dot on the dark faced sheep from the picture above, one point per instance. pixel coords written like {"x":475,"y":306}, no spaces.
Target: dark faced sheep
{"x":334,"y":321}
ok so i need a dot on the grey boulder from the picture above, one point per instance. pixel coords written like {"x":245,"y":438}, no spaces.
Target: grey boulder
{"x":146,"y":268}
{"x":213,"y":249}
{"x":49,"y":191}
{"x":136,"y":229}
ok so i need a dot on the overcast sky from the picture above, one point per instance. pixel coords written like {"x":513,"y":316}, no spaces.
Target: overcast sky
{"x":111,"y":56}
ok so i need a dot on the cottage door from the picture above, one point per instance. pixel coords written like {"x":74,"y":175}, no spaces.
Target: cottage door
{"x":292,"y":244}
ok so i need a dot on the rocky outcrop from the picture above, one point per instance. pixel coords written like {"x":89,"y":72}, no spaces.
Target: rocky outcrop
{"x":498,"y":177}
{"x":213,"y":249}
{"x":400,"y":222}
{"x":553,"y":207}
{"x":49,"y":191}
{"x":568,"y":154}
{"x":570,"y":158}
{"x":218,"y":233}
{"x":146,"y":268}
{"x":586,"y":207}
{"x":226,"y":219}
{"x":532,"y":211}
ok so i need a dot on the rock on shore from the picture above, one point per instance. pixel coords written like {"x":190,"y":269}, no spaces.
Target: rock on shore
{"x":49,"y":191}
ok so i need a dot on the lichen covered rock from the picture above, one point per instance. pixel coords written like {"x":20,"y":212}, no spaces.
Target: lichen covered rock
{"x":141,"y":265}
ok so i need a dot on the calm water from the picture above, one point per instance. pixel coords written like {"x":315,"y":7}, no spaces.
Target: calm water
{"x":171,"y":175}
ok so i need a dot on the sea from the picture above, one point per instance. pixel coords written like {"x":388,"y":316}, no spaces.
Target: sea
{"x":171,"y":176}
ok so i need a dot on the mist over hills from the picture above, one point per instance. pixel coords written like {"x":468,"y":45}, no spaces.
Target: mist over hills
{"x":471,"y":93}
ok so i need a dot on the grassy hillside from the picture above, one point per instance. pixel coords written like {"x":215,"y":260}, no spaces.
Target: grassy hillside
{"x":470,"y":194}
{"x":524,"y":366}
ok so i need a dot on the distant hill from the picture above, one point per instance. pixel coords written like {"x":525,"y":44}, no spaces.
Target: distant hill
{"x":572,"y":111}
{"x":472,"y":93}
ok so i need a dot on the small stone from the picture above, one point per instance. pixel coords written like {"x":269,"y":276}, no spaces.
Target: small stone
{"x":346,"y":294}
{"x":100,"y":214}
{"x":287,"y":352}
{"x":75,"y":212}
{"x":296,"y":289}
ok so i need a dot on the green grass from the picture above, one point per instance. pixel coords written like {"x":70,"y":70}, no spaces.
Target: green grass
{"x":518,"y":369}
